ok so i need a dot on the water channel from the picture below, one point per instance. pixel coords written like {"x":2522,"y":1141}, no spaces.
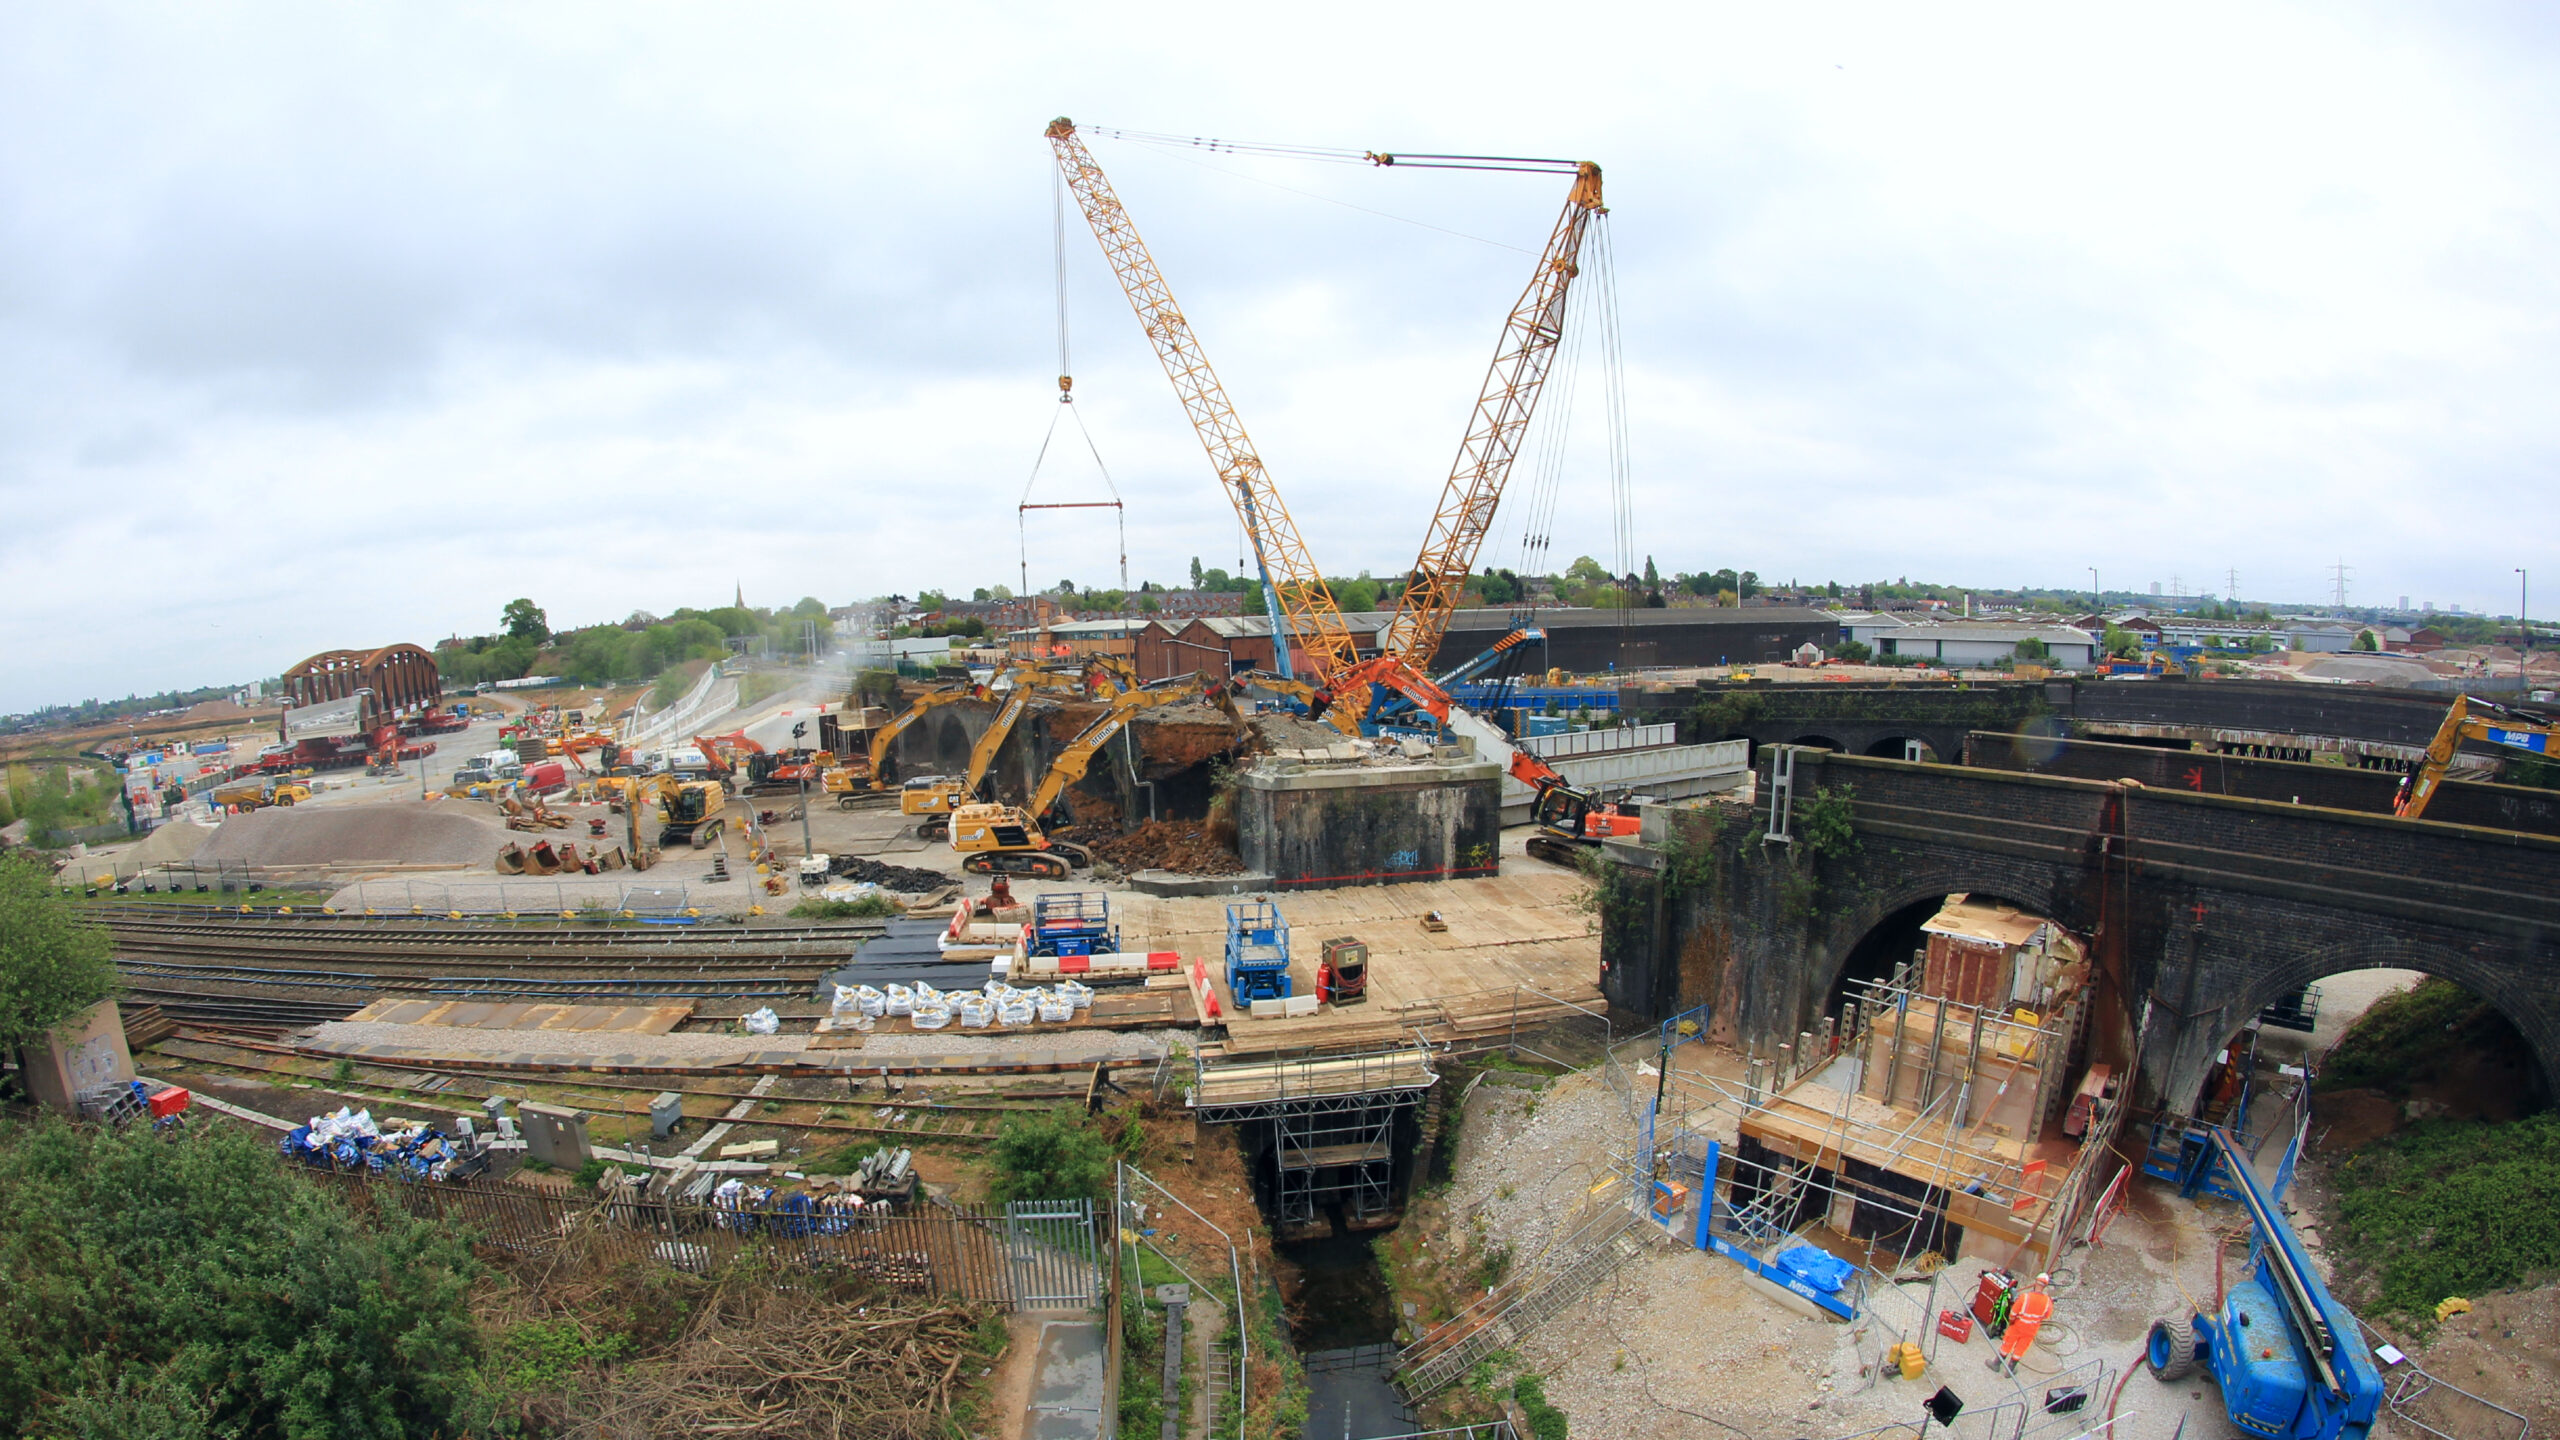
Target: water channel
{"x":1344,"y":1327}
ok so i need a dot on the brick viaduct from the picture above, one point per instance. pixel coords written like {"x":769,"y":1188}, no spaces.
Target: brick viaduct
{"x":2203,"y":908}
{"x":2361,"y":724}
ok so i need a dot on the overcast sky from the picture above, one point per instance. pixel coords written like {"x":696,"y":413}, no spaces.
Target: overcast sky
{"x":336,"y":325}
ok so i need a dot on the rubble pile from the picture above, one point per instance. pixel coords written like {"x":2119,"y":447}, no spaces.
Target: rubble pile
{"x":905,"y":879}
{"x":1184,"y":846}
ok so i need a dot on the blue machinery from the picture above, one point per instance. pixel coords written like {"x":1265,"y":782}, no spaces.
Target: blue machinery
{"x":2289,"y":1359}
{"x":1257,"y":952}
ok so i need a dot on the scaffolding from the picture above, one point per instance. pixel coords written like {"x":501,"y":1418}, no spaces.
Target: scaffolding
{"x":1849,"y":1166}
{"x":1329,"y":1124}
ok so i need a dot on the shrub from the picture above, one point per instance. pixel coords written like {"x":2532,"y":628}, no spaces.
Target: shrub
{"x":191,"y":1286}
{"x":53,"y":962}
{"x":869,"y":907}
{"x":1546,"y":1422}
{"x":1051,"y":1155}
{"x":2452,"y":1208}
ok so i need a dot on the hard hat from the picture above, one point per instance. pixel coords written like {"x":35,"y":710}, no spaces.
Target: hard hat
{"x":2044,"y":1279}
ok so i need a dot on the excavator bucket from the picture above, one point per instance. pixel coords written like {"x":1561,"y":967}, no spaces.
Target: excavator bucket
{"x":511,"y":859}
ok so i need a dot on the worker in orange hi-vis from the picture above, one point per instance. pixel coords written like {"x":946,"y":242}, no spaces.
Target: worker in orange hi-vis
{"x":2032,"y":1310}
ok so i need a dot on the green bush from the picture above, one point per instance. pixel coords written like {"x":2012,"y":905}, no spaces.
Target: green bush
{"x":2410,"y":1037}
{"x":1051,"y":1155}
{"x":54,"y":963}
{"x":193,"y":1286}
{"x":1546,"y":1422}
{"x":869,"y":907}
{"x":2452,"y":1208}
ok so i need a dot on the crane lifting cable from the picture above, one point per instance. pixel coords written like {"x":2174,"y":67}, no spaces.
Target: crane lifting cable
{"x":1066,"y":409}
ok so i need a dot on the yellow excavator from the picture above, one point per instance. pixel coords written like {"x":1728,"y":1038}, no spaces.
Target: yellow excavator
{"x":1008,"y":840}
{"x":2469,"y":719}
{"x":934,"y":797}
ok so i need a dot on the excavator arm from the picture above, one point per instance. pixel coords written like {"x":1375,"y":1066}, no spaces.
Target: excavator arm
{"x":1078,"y":755}
{"x":2462,"y":723}
{"x":888,"y":734}
{"x":982,"y":757}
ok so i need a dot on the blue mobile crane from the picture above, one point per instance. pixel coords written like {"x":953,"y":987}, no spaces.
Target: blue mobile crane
{"x":2289,"y":1359}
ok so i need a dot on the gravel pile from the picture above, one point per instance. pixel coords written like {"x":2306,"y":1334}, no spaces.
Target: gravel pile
{"x":1546,"y":1147}
{"x":171,"y":844}
{"x":380,"y":834}
{"x":1073,"y":1044}
{"x":905,"y":879}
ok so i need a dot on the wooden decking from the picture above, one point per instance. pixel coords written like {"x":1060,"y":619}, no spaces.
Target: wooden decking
{"x":1511,"y":941}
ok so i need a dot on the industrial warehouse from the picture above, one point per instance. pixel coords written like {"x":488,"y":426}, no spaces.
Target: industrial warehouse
{"x":1470,"y":1002}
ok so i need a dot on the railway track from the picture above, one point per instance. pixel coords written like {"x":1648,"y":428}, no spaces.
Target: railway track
{"x":264,"y":1012}
{"x":898,"y":1119}
{"x":509,"y":987}
{"x":441,"y":938}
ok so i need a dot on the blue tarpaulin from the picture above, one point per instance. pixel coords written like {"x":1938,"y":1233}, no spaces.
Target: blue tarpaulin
{"x":1821,"y":1270}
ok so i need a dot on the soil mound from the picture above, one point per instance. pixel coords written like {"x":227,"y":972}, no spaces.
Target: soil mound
{"x":905,"y":879}
{"x":386,"y":834}
{"x":1183,"y":846}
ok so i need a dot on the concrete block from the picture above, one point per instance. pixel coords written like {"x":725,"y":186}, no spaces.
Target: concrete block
{"x":555,"y":1134}
{"x":751,"y":1150}
{"x":1369,"y":824}
{"x":1299,"y":1005}
{"x":86,"y":1054}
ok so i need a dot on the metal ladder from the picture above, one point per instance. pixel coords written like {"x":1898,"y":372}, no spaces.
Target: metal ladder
{"x":1575,"y":1279}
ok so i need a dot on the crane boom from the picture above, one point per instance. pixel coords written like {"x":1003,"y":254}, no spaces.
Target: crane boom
{"x":1293,"y":589}
{"x":1494,"y":432}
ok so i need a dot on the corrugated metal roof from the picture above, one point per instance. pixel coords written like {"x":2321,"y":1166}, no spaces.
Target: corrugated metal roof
{"x":2050,"y":634}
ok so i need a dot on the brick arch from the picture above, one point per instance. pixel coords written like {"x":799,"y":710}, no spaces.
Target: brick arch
{"x":953,"y":738}
{"x":1817,"y":742}
{"x":1930,"y":878}
{"x":2491,"y":977}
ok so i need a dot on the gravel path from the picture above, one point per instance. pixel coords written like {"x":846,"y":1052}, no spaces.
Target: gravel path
{"x":1678,"y":1343}
{"x":1076,"y":1044}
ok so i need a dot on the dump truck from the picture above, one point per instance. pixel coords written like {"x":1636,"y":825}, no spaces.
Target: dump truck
{"x":261,"y":793}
